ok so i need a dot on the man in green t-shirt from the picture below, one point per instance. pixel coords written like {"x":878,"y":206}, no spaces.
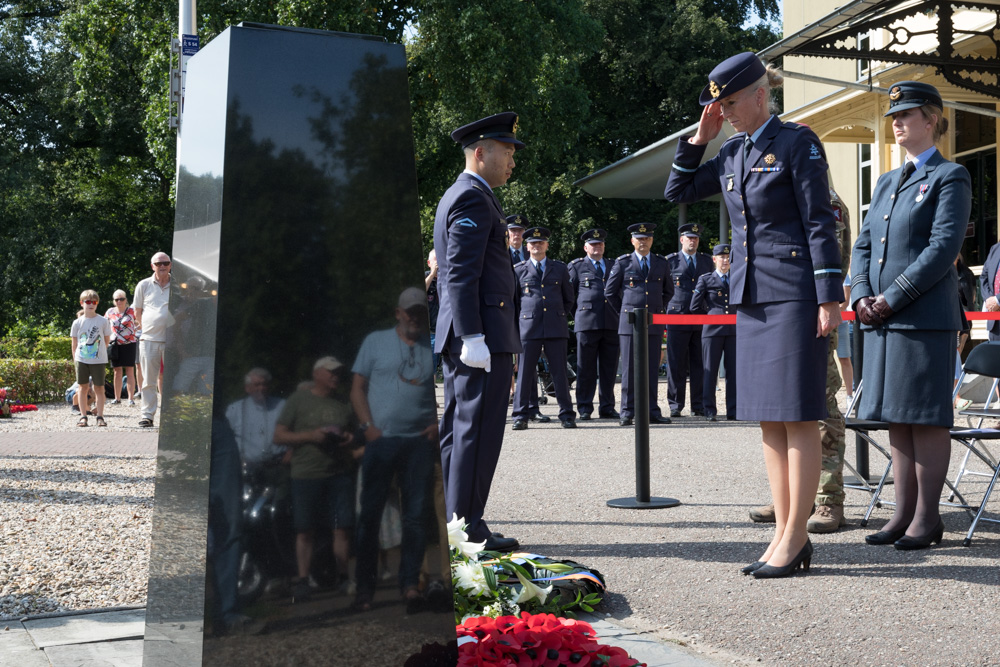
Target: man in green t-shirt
{"x":316,"y":426}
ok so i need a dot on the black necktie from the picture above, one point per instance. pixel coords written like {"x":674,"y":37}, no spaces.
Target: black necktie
{"x":516,"y":254}
{"x":645,"y":267}
{"x":538,"y":268}
{"x":600,"y":269}
{"x":747,"y":147}
{"x":725,"y":280}
{"x":908,"y":169}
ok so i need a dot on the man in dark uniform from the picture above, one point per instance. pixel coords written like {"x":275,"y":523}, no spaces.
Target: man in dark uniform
{"x":989,"y":282}
{"x":684,"y":340}
{"x":639,"y":279}
{"x":516,"y":225}
{"x":546,"y":301}
{"x":711,"y":296}
{"x":596,"y":326}
{"x":477,"y":321}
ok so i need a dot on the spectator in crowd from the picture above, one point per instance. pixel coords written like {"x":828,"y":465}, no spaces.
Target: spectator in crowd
{"x":393,"y":397}
{"x":433,"y":300}
{"x":90,"y":335}
{"x":317,"y":426}
{"x":253,"y":420}
{"x":989,"y":288}
{"x":123,"y":345}
{"x":152,"y":314}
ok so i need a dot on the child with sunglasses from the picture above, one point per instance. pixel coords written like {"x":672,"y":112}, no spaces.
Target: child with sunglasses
{"x":90,"y":335}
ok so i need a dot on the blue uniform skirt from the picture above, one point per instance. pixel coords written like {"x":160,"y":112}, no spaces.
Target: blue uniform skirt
{"x":780,"y":363}
{"x":908,"y":376}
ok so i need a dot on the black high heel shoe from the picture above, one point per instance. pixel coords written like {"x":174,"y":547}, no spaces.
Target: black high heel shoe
{"x":803,"y":558}
{"x":907,"y":543}
{"x":756,"y":565}
{"x":885,"y":536}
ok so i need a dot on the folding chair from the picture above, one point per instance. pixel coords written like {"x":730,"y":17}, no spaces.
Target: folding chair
{"x":863,"y":429}
{"x":984,"y":360}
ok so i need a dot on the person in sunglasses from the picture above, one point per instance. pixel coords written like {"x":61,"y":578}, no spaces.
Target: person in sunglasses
{"x":90,"y":335}
{"x":123,"y":345}
{"x":152,"y":313}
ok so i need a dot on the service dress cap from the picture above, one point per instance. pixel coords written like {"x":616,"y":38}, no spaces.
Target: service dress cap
{"x":731,"y":76}
{"x":912,"y":94}
{"x":689,"y":229}
{"x":721,"y":249}
{"x":536,"y":234}
{"x":594,"y":236}
{"x":642,"y":229}
{"x":499,"y":127}
{"x":517,"y":221}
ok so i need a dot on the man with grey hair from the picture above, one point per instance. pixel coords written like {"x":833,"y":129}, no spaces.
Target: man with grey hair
{"x":152,"y":313}
{"x":254,"y":417}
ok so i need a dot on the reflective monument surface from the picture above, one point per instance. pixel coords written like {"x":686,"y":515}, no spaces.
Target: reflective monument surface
{"x":299,"y":514}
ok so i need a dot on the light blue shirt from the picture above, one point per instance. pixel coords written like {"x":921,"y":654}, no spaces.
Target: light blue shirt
{"x":478,"y":177}
{"x":539,"y":265}
{"x":760,"y":130}
{"x":922,"y":159}
{"x":400,"y":377}
{"x":599,"y":265}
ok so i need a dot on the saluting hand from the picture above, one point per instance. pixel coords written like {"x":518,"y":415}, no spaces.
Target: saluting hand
{"x":709,"y":126}
{"x":828,"y":318}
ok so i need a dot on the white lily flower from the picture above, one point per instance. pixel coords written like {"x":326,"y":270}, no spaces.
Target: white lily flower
{"x":531,"y":591}
{"x":471,"y":578}
{"x":458,"y":538}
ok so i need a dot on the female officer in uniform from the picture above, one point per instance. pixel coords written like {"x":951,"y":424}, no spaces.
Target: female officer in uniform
{"x":906,"y":295}
{"x":785,"y":283}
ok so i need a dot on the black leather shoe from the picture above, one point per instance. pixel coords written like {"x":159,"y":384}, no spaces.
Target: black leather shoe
{"x":584,"y":417}
{"x":885,"y":536}
{"x":907,"y":543}
{"x":731,"y":418}
{"x":653,"y":419}
{"x":756,"y":565}
{"x":625,"y":421}
{"x":540,"y":418}
{"x":501,"y":543}
{"x":698,"y":413}
{"x":568,"y":423}
{"x":675,"y":413}
{"x":803,"y":558}
{"x":611,"y":415}
{"x":519,"y":425}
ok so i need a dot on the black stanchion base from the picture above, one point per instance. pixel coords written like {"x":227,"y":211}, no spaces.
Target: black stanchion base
{"x":653,"y":504}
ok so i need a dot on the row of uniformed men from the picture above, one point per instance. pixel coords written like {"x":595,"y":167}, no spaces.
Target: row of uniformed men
{"x":598,"y":294}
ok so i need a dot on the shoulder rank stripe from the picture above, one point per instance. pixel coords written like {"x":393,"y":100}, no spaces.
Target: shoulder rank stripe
{"x":860,"y":279}
{"x":820,"y":272}
{"x":466,"y":222}
{"x":684,"y":169}
{"x":765,"y":169}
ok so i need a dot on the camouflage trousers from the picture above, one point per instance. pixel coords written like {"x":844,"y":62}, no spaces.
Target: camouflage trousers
{"x":831,"y":429}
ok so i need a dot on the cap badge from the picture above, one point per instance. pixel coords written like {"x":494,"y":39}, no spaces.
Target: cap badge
{"x":770,"y":159}
{"x":895,"y":93}
{"x":513,"y":130}
{"x":694,"y":229}
{"x":642,"y":229}
{"x":596,"y":234}
{"x":714,"y":89}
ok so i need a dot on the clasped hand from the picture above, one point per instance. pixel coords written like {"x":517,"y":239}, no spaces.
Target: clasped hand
{"x":873,"y":312}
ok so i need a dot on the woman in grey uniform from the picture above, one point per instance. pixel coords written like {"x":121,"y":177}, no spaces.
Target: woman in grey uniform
{"x":785,"y":283}
{"x":905,"y":292}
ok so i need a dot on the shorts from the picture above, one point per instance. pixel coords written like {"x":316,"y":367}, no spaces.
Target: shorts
{"x":84,"y":372}
{"x":326,"y":502}
{"x":845,"y":340}
{"x":123,"y":354}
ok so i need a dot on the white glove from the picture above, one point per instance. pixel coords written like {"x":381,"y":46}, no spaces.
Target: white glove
{"x":475,"y":354}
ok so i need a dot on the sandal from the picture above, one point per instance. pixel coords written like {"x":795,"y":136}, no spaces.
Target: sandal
{"x":82,"y":421}
{"x":100,"y":421}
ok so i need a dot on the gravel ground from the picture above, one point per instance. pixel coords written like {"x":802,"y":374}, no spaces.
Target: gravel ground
{"x":75,"y":529}
{"x":674,"y":573}
{"x":55,"y":417}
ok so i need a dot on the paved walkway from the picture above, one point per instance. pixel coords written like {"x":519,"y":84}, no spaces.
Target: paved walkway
{"x":74,"y":443}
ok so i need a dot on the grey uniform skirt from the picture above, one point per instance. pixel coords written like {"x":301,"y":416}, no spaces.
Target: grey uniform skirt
{"x":780,"y":363}
{"x":908,"y":376}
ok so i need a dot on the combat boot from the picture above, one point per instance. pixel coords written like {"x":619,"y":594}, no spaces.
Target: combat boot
{"x":826,"y":519}
{"x":762,"y":514}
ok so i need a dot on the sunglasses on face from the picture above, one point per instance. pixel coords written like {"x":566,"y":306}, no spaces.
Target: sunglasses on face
{"x":120,"y":298}
{"x":161,"y":263}
{"x":90,"y":303}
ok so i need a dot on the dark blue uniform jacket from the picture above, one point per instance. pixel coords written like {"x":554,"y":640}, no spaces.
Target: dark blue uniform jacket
{"x":627,"y":290}
{"x":546,"y":302}
{"x":593,"y":312}
{"x":685,"y":278}
{"x":711,"y":297}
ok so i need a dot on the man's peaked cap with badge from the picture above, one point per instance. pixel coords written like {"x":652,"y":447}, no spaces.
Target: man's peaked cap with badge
{"x":536,"y":234}
{"x":721,"y":249}
{"x":594,"y":236}
{"x":731,"y":76}
{"x":517,"y":221}
{"x":642,"y":229}
{"x":912,"y":94}
{"x":689,"y":229}
{"x":499,"y":127}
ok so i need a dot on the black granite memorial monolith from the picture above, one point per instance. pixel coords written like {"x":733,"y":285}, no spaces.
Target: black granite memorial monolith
{"x":296,"y":239}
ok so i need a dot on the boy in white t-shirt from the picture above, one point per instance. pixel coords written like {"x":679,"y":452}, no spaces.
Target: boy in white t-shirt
{"x":90,"y":335}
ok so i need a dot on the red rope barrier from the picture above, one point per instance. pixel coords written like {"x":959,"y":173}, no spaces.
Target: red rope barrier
{"x":731,"y":319}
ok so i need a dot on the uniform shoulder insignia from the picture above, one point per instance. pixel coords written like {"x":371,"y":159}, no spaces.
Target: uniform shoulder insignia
{"x":623,"y":257}
{"x":558,"y":263}
{"x":738,"y":135}
{"x":522,"y":262}
{"x":673,"y":254}
{"x":792,"y":125}
{"x":576,"y":261}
